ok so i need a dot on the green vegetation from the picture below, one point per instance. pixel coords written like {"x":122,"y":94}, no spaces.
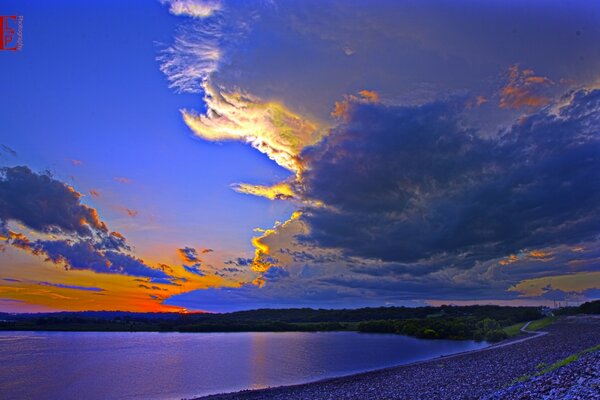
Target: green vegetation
{"x":446,"y":322}
{"x":566,"y":361}
{"x":543,"y":368}
{"x":591,"y":307}
{"x":440,"y":328}
{"x":513,"y":330}
{"x":541,"y":323}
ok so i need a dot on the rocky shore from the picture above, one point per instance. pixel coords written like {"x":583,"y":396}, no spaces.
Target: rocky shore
{"x":579,"y":380}
{"x":473,"y":375}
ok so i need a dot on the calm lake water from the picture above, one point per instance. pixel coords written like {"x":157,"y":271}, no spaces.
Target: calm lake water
{"x":90,"y":365}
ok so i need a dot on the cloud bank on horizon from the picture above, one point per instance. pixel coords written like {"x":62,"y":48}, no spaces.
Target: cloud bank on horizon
{"x":435,"y":151}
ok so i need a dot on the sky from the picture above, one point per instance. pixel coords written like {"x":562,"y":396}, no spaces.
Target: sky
{"x":214,"y":155}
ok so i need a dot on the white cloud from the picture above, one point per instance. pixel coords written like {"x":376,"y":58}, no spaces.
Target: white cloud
{"x":193,"y":8}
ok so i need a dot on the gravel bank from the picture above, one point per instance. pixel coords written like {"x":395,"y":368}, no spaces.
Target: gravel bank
{"x":579,"y":380}
{"x":467,"y":376}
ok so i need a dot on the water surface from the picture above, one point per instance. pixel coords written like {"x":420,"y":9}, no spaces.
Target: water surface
{"x":123,"y":365}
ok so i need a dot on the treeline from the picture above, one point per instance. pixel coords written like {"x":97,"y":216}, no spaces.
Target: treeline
{"x":440,"y":328}
{"x":445,"y":322}
{"x":591,"y":307}
{"x":137,"y":324}
{"x":431,"y":322}
{"x":483,"y":324}
{"x":294,"y":315}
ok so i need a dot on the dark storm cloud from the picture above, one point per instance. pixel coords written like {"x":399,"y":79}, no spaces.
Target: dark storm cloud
{"x":194,"y":269}
{"x":240,"y":262}
{"x":189,"y":254}
{"x":275,"y":273}
{"x":84,"y":255}
{"x":164,"y":281}
{"x":80,"y":240}
{"x":44,"y":204}
{"x":403,"y":184}
{"x":112,"y":241}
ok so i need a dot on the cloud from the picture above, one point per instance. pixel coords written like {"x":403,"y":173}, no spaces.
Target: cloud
{"x":45,"y":204}
{"x":524,"y":89}
{"x":199,"y":49}
{"x":192,"y":8}
{"x":7,"y":150}
{"x":402,"y":217}
{"x":188,"y":254}
{"x":94,"y":193}
{"x":194,"y":269}
{"x":273,"y":274}
{"x":130,"y":212}
{"x":73,"y":287}
{"x":76,"y":162}
{"x":71,"y":233}
{"x":84,"y":255}
{"x":419,"y":184}
{"x":278,"y":191}
{"x":408,"y":183}
{"x":268,"y":126}
{"x":240,"y":262}
{"x":163,"y":281}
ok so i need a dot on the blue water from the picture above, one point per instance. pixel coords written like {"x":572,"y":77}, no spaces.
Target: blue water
{"x":102,"y":365}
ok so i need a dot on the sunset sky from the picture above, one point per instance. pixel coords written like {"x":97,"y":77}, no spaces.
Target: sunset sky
{"x":222,"y":155}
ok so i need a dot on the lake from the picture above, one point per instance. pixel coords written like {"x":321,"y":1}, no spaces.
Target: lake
{"x":107,"y":365}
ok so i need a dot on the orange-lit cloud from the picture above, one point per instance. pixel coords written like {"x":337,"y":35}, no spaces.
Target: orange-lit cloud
{"x":479,"y":100}
{"x":341,"y":108}
{"x":94,"y":193}
{"x":278,"y":236}
{"x":279,"y":191}
{"x":509,"y":260}
{"x":539,"y":255}
{"x":568,"y":283}
{"x":524,"y":89}
{"x":130,"y":212}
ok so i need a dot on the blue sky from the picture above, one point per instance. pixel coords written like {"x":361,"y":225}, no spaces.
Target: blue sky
{"x":88,"y":88}
{"x":169,"y":117}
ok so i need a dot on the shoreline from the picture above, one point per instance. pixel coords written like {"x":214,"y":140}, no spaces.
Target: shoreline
{"x":402,"y":381}
{"x":505,"y":342}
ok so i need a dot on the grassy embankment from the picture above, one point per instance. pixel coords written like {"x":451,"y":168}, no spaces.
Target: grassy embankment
{"x":541,"y":323}
{"x":514,"y":330}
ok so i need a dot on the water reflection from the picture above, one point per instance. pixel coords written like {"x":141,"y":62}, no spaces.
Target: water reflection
{"x":258,"y":361}
{"x":75,"y":365}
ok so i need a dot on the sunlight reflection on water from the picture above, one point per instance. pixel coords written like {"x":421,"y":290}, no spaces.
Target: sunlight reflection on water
{"x":101,"y":365}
